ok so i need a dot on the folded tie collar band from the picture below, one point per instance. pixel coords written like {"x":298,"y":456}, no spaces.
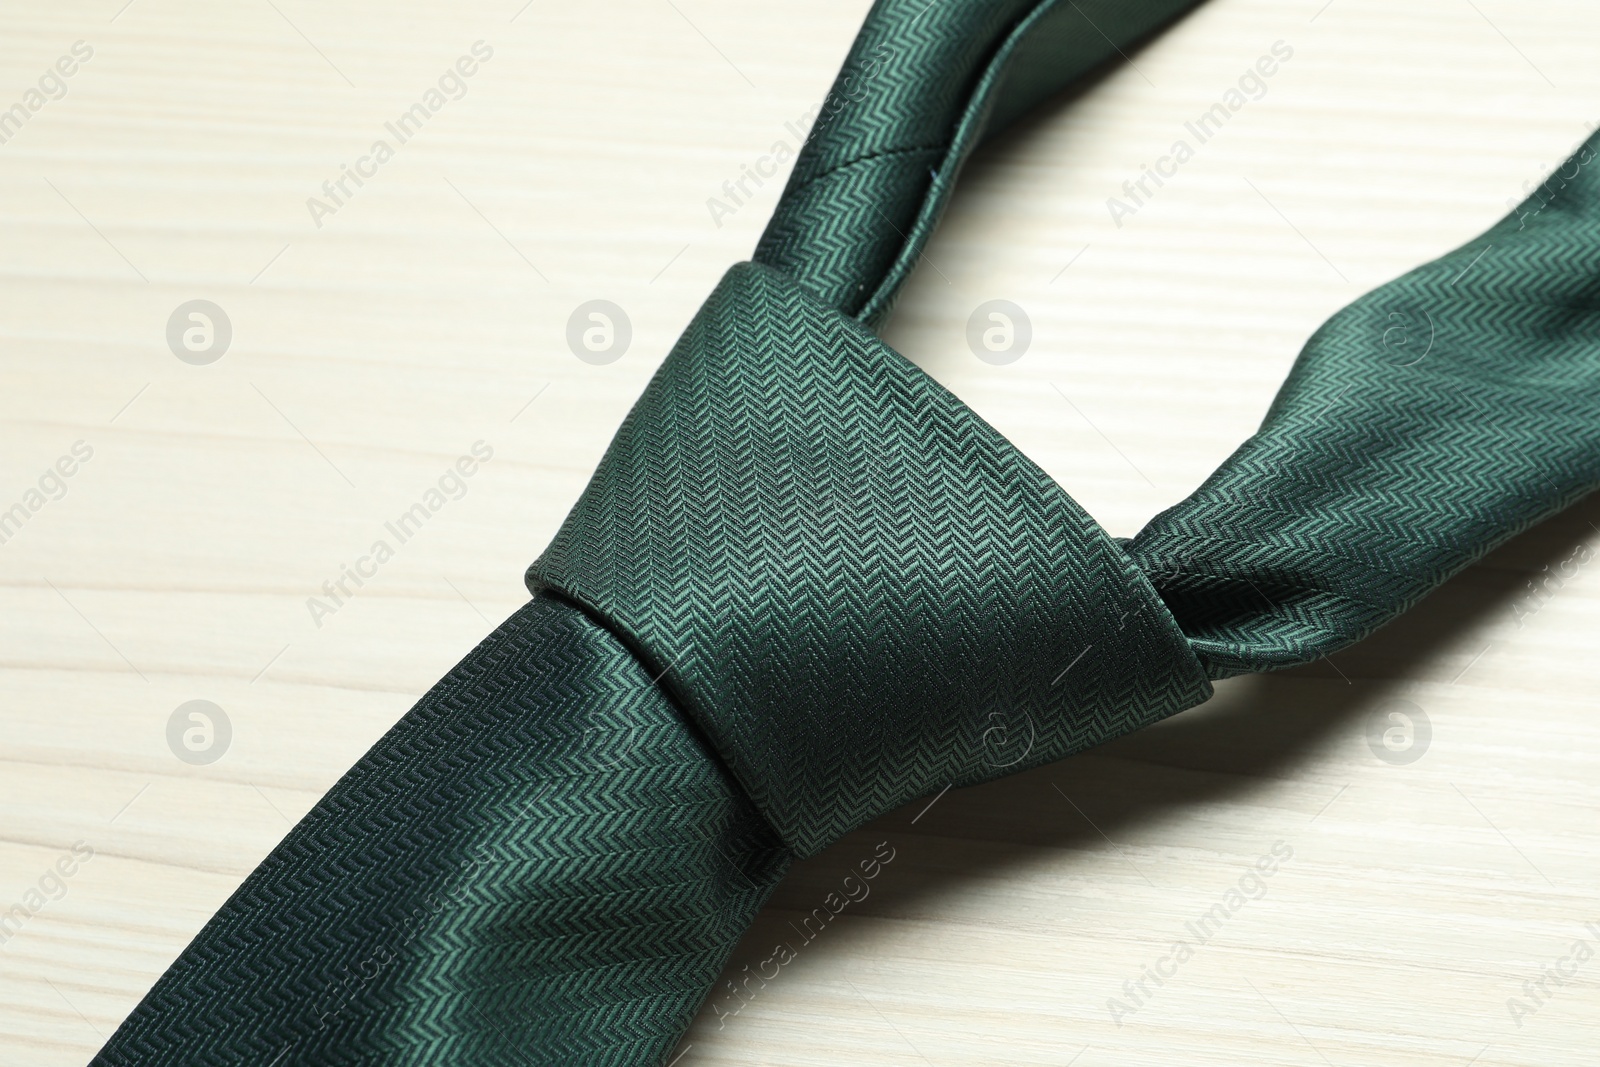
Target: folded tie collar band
{"x":806,"y":582}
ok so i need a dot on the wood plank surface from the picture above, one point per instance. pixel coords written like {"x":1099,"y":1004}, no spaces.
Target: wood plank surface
{"x":1412,"y":902}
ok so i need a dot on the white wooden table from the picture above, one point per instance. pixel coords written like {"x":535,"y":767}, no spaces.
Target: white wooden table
{"x":375,"y":340}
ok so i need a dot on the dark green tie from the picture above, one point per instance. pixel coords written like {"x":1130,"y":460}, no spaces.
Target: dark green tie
{"x":805,"y":579}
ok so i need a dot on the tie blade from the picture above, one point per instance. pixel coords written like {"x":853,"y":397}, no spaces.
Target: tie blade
{"x":540,"y":864}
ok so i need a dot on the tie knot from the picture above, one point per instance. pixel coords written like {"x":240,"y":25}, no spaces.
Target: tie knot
{"x":858,"y":589}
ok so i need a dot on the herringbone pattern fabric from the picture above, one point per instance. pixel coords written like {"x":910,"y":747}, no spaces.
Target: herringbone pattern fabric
{"x":923,"y":85}
{"x":1420,"y":427}
{"x":541,"y":864}
{"x":855,"y":586}
{"x":807,"y":584}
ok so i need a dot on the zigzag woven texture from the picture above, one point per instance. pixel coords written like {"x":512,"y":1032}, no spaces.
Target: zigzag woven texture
{"x":1420,"y":427}
{"x":540,"y":864}
{"x":1379,"y":471}
{"x":923,"y":84}
{"x":808,"y":584}
{"x":858,"y":589}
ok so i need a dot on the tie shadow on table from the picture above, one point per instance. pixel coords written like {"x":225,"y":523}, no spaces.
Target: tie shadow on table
{"x":1257,"y":729}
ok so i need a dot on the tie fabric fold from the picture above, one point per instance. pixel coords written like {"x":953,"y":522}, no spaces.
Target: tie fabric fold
{"x":807,"y":584}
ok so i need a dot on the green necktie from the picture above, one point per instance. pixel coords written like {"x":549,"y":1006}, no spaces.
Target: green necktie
{"x":805,"y":581}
